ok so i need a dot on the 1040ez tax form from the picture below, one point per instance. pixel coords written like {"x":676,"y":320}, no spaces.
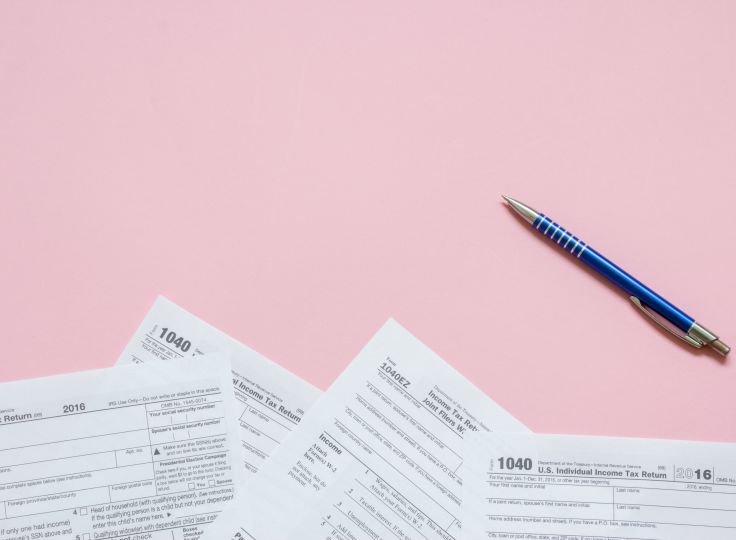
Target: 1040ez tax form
{"x":377,"y":457}
{"x":141,"y":452}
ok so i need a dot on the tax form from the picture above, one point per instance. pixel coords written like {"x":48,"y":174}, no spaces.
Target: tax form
{"x":563,"y":487}
{"x":378,"y":456}
{"x":270,"y":400}
{"x":136,"y":453}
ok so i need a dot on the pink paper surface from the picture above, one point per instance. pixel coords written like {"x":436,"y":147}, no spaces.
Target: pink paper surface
{"x":295,"y":173}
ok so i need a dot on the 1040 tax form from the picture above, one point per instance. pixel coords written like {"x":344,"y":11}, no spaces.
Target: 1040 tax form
{"x":378,"y":456}
{"x":136,"y":452}
{"x":565,"y":487}
{"x":271,"y":401}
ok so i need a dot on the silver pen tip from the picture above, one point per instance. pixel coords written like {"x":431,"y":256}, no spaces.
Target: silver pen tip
{"x":529,"y":214}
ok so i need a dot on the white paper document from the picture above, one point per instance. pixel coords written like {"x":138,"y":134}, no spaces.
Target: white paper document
{"x":378,"y":456}
{"x":271,"y":401}
{"x":136,"y":453}
{"x":589,"y":488}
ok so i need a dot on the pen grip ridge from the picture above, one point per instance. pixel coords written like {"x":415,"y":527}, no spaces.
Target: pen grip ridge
{"x":565,"y":239}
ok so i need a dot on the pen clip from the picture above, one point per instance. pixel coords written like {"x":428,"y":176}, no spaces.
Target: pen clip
{"x":684,"y":337}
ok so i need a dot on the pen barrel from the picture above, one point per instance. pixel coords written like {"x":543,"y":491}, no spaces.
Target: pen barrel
{"x":580,"y":250}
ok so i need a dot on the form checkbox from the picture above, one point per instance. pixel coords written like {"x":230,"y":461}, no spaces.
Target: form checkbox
{"x":83,"y":511}
{"x":85,"y":536}
{"x":191,"y":486}
{"x":212,"y":483}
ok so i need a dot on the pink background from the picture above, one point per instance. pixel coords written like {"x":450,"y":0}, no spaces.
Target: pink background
{"x":295,"y":174}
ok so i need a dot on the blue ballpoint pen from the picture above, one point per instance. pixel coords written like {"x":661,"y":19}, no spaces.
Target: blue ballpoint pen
{"x":642,"y":296}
